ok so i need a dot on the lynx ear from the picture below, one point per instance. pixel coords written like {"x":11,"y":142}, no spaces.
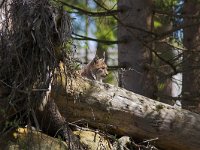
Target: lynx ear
{"x":96,"y":58}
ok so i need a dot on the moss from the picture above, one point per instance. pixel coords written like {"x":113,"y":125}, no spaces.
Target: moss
{"x":159,"y":107}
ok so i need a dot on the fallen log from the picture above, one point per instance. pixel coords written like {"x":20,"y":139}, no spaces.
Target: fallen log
{"x":122,"y":112}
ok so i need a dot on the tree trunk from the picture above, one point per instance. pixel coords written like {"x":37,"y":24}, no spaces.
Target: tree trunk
{"x":121,"y":112}
{"x":133,"y":55}
{"x":165,"y":51}
{"x":191,"y":59}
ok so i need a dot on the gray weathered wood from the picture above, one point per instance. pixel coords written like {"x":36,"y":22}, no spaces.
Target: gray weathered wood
{"x":122,"y":112}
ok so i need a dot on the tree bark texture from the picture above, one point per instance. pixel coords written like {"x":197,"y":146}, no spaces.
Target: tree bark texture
{"x":191,"y":59}
{"x":133,"y":55}
{"x":122,"y":112}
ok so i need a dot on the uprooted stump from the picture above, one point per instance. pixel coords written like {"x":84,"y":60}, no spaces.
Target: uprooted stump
{"x":34,"y":37}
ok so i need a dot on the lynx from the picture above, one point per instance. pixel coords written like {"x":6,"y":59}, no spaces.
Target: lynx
{"x":95,"y":70}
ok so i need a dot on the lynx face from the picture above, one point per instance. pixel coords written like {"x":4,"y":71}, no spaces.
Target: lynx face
{"x":99,"y":69}
{"x":95,"y":70}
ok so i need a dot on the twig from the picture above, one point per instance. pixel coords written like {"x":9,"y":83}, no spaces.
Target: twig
{"x":176,"y":15}
{"x":97,"y":40}
{"x":125,"y":25}
{"x":150,"y":140}
{"x":182,"y":26}
{"x":89,"y":13}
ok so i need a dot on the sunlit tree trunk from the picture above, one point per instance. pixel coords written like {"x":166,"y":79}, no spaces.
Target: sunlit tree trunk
{"x":134,"y":55}
{"x":191,"y":58}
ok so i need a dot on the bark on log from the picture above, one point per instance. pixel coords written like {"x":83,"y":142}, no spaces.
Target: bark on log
{"x":122,"y":112}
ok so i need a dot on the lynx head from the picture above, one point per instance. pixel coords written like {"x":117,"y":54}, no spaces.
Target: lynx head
{"x":99,"y":68}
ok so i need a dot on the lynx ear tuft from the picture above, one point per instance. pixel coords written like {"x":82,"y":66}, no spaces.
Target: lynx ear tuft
{"x":104,"y":56}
